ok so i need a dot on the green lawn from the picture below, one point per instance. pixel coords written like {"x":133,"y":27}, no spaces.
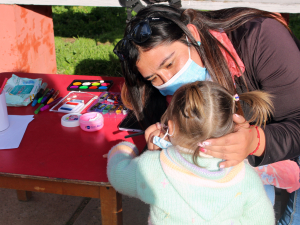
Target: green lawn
{"x":295,"y":24}
{"x":85,"y":37}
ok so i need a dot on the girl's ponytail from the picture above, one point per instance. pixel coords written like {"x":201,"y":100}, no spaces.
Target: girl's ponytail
{"x":261,"y":105}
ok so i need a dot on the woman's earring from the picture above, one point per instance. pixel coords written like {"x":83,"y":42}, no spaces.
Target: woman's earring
{"x":199,"y":43}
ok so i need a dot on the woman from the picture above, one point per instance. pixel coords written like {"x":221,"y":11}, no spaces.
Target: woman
{"x":242,"y":49}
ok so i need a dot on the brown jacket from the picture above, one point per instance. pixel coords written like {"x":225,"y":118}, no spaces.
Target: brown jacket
{"x":272,"y":59}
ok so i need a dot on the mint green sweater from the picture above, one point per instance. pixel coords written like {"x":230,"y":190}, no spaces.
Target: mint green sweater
{"x":181,"y":193}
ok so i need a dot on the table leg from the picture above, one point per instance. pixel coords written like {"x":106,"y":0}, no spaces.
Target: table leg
{"x":24,"y":195}
{"x":111,"y":206}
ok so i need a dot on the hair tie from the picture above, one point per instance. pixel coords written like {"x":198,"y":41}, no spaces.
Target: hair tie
{"x":236,"y":98}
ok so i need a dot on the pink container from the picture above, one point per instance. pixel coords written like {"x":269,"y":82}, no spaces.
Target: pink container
{"x":92,"y":121}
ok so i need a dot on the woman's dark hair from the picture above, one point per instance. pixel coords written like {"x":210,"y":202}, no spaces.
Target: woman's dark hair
{"x":139,"y":94}
{"x":203,"y":109}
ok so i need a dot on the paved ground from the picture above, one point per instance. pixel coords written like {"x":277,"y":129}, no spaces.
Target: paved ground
{"x":52,"y":209}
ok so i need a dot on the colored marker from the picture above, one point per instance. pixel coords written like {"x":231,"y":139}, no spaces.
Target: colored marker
{"x":47,"y":96}
{"x":46,"y":91}
{"x":51,"y":104}
{"x":54,"y":96}
{"x":38,"y":109}
{"x":39,"y":94}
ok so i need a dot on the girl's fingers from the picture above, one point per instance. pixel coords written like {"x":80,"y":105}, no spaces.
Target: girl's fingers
{"x":150,"y":144}
{"x":149,"y":131}
{"x":158,"y":126}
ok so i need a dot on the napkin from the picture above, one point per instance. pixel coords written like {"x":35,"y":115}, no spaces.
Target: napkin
{"x":12,"y":136}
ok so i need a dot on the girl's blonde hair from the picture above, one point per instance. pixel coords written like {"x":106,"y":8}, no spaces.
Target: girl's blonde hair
{"x":204,"y":109}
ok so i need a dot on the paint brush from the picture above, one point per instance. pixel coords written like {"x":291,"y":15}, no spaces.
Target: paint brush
{"x":136,"y":134}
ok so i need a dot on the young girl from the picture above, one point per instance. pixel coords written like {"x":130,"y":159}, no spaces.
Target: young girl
{"x":184,"y":185}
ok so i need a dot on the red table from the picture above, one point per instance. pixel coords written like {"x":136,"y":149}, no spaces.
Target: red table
{"x":60,"y":160}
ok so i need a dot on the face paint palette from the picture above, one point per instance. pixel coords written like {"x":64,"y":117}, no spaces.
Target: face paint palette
{"x":90,"y":85}
{"x":74,"y":102}
{"x":109,"y":104}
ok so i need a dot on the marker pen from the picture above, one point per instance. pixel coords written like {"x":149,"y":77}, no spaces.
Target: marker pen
{"x":136,"y":134}
{"x":51,"y":104}
{"x":53,"y":97}
{"x":39,"y":94}
{"x":46,"y":91}
{"x":47,"y":96}
{"x":38,"y":109}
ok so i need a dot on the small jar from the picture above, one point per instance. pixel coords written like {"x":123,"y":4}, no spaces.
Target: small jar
{"x":91,"y":121}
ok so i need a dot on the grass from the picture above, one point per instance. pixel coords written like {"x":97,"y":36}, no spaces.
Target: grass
{"x":294,"y":24}
{"x":85,"y":37}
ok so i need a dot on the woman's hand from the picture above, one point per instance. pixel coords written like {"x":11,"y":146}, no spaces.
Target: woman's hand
{"x":235,"y":147}
{"x":150,"y":132}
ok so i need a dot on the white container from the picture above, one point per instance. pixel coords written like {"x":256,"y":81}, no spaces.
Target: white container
{"x":4,"y":123}
{"x":70,"y":120}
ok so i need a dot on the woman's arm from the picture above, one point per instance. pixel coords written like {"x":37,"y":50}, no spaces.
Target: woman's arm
{"x":272,"y":61}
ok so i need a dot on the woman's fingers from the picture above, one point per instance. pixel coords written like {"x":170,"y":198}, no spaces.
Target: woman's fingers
{"x":229,"y":163}
{"x":221,"y":143}
{"x":233,"y":147}
{"x":240,"y":122}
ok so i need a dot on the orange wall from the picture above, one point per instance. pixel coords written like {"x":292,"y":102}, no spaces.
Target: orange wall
{"x":27,"y":39}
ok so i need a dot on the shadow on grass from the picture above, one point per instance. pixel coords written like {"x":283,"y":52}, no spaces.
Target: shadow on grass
{"x":104,"y":24}
{"x":98,"y":67}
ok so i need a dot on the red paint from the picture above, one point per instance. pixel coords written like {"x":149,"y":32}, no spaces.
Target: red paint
{"x":27,"y":39}
{"x":50,"y":150}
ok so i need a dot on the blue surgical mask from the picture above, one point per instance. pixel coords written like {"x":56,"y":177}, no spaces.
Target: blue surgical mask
{"x":189,"y":73}
{"x":160,"y":142}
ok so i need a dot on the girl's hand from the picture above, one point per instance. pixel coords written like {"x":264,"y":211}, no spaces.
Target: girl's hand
{"x":235,"y":147}
{"x":150,"y":132}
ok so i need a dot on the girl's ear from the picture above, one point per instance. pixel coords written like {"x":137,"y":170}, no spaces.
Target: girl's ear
{"x":194,"y":31}
{"x":171,"y":126}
